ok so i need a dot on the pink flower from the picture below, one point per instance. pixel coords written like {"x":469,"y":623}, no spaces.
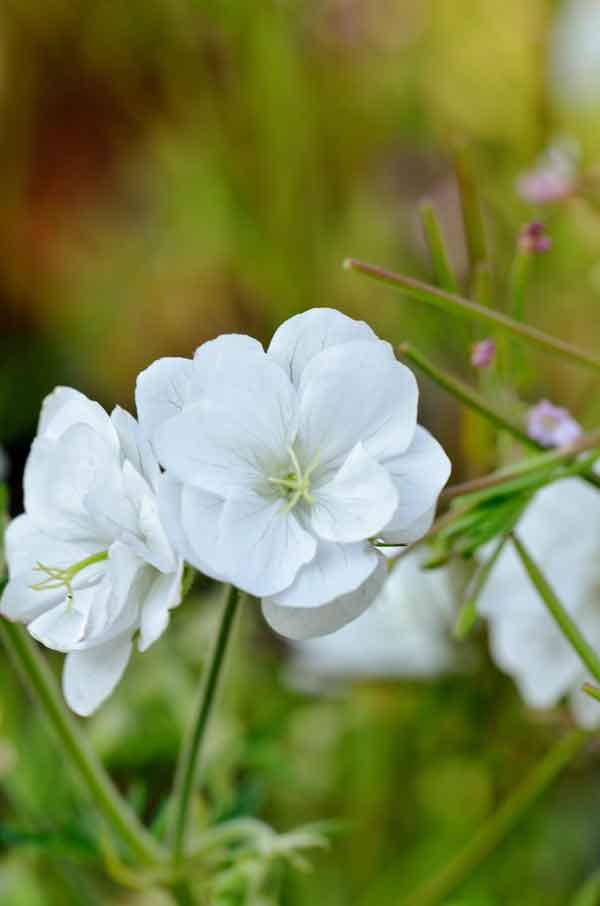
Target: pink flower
{"x":482,"y":353}
{"x":552,"y":425}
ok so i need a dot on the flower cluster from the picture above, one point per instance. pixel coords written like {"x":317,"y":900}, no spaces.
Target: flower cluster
{"x":277,"y":471}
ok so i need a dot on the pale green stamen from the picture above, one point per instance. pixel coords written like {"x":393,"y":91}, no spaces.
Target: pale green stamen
{"x":62,"y":577}
{"x":296,"y":485}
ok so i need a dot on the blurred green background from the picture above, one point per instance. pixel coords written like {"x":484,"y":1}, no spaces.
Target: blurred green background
{"x":171,"y":170}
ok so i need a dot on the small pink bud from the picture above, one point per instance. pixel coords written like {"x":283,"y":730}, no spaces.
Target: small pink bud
{"x":533,"y":238}
{"x":551,"y":425}
{"x":482,"y":353}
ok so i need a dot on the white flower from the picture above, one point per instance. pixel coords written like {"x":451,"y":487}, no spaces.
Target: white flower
{"x":89,"y":562}
{"x":405,"y":633}
{"x":280,"y":466}
{"x":561,"y":531}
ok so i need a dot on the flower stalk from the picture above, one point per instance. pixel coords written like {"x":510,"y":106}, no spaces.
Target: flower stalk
{"x":109,"y":803}
{"x":532,"y":464}
{"x":457,"y":305}
{"x":187,"y":768}
{"x":467,"y":616}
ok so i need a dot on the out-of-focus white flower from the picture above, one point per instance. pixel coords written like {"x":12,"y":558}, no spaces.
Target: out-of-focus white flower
{"x":90,"y":565}
{"x":281,"y":467}
{"x":554,"y":176}
{"x":405,"y":633}
{"x":552,"y":425}
{"x":575,"y":54}
{"x":561,"y":531}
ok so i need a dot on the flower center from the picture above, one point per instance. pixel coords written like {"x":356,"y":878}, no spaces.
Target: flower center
{"x":294,"y":486}
{"x":62,"y":577}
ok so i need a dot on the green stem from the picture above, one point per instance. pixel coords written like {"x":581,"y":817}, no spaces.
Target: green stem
{"x":442,"y":268}
{"x":568,"y":628}
{"x":467,"y":395}
{"x":467,"y":615}
{"x":480,"y":404}
{"x":496,"y":828}
{"x":454,"y":304}
{"x":532,"y":464}
{"x":482,"y":283}
{"x":108,"y":801}
{"x":474,"y":228}
{"x":519,"y":273}
{"x":187,"y":768}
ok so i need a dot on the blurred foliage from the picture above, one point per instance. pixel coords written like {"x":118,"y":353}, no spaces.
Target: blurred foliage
{"x":173,"y":169}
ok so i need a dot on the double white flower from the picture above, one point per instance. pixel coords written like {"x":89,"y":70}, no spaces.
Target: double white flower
{"x":89,"y":562}
{"x":282,"y":467}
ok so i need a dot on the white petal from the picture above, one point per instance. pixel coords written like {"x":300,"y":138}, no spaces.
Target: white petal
{"x":66,"y":407}
{"x":200,"y":515}
{"x":149,"y":540}
{"x":90,"y":676}
{"x":134,"y":446}
{"x":169,"y":507}
{"x":164,"y":595}
{"x":419,"y":475}
{"x":61,"y":477}
{"x":335,"y":570}
{"x":301,"y":338}
{"x":356,"y":503}
{"x":310,"y":622}
{"x":161,"y":392}
{"x":406,"y":632}
{"x":20,"y":603}
{"x":235,"y":437}
{"x":411,"y":532}
{"x":219,"y":360}
{"x":61,"y":628}
{"x":356,"y":392}
{"x":262,"y":546}
{"x":25,"y":544}
{"x":25,"y":547}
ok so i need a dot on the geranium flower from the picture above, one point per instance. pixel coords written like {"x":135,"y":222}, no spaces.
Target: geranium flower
{"x":560,"y":529}
{"x":407,"y":632}
{"x":283,"y":466}
{"x":90,"y":565}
